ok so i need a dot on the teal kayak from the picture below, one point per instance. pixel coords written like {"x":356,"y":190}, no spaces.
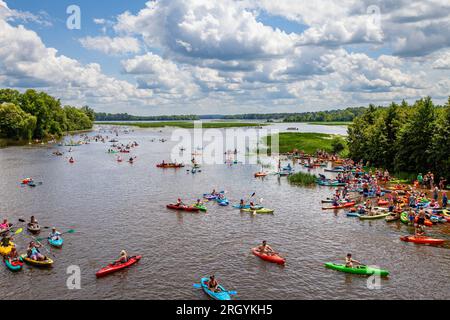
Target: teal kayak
{"x":364,"y":270}
{"x":56,"y":243}
{"x":14,"y":266}
{"x":247,"y":206}
{"x":221,"y":295}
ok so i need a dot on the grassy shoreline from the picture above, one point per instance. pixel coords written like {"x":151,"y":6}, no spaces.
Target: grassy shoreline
{"x":183,"y":124}
{"x":331,"y":123}
{"x":305,"y":141}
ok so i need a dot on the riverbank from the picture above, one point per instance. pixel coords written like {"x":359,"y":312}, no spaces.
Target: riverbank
{"x":331,"y":123}
{"x":305,"y":141}
{"x":183,"y":124}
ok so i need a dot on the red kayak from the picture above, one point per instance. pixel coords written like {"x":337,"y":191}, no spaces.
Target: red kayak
{"x":383,"y":202}
{"x":183,"y":208}
{"x":116,"y":267}
{"x":422,"y":240}
{"x":344,"y":205}
{"x":273,"y":258}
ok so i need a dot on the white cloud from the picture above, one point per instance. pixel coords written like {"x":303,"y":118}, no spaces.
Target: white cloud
{"x":114,"y":46}
{"x":442,"y":61}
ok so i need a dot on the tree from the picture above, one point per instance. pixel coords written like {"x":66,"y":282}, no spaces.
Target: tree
{"x":337,"y":145}
{"x":15,"y":123}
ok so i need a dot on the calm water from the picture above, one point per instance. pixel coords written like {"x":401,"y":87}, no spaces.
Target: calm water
{"x":116,"y":206}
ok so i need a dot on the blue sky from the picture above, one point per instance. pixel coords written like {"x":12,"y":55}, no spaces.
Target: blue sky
{"x":198,"y":56}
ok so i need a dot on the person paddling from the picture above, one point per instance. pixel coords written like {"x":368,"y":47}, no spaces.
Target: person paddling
{"x":33,"y":252}
{"x":12,"y":256}
{"x":264,"y":248}
{"x":54,"y":235}
{"x":123,"y":258}
{"x":349,"y":261}
{"x":213,"y":285}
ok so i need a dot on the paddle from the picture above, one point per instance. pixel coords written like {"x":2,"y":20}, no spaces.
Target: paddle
{"x":199,"y":286}
{"x":68,"y":231}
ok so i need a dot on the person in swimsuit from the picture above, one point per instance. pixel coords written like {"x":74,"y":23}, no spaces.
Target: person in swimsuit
{"x":123,"y":258}
{"x":349,"y":261}
{"x":265,"y":249}
{"x":12,"y":256}
{"x":420,"y":223}
{"x":213,"y":285}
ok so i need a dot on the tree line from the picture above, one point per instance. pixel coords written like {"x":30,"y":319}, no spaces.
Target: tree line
{"x":37,"y":115}
{"x":102,"y":116}
{"x":403,"y":138}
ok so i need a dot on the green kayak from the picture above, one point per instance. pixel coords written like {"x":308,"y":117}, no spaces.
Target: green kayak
{"x":364,"y":270}
{"x":377,"y":216}
{"x":262,"y":210}
{"x":201,"y":207}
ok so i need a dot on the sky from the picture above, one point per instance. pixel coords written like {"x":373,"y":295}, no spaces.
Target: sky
{"x":227,"y":57}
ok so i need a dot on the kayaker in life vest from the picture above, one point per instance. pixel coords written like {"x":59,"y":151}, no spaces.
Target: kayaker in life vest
{"x":265,"y":248}
{"x":213,"y":285}
{"x":5,"y":242}
{"x":349,"y":261}
{"x":33,"y":252}
{"x":54,"y":235}
{"x":33,"y":221}
{"x":4,"y":225}
{"x":12,"y":255}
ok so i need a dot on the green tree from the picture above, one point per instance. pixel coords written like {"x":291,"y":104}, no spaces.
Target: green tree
{"x":15,"y":123}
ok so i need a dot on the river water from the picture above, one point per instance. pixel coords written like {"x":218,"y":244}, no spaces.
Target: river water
{"x":114,"y":206}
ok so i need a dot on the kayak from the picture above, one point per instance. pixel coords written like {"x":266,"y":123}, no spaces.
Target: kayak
{"x":262,"y":210}
{"x":341,"y":206}
{"x":170,"y":165}
{"x":422,"y":240}
{"x":14,"y":266}
{"x":377,"y":216}
{"x":116,"y":267}
{"x":222,"y":295}
{"x":260,"y":174}
{"x":247,"y":206}
{"x":427,"y":222}
{"x":33,"y":229}
{"x":183,"y":208}
{"x":364,"y":270}
{"x":200,"y":207}
{"x":353,"y":214}
{"x":271,"y":258}
{"x":383,"y":202}
{"x":46,"y":263}
{"x":56,"y":243}
{"x":6,"y":250}
{"x":391,"y":218}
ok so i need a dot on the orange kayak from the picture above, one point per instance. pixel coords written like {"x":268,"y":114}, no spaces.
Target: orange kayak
{"x":275,"y":258}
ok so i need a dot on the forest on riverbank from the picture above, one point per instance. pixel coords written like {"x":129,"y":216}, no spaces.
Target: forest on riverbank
{"x":403,"y":138}
{"x":37,"y":115}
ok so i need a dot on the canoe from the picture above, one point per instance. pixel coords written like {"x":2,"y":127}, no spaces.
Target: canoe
{"x":222,"y":295}
{"x":182,"y":208}
{"x":422,"y":240}
{"x":33,"y":229}
{"x":270,"y":258}
{"x":56,"y":243}
{"x":363,"y":270}
{"x":200,"y":207}
{"x":262,"y":210}
{"x":6,"y":250}
{"x":44,"y":264}
{"x":377,"y":216}
{"x":111,"y":268}
{"x":14,"y":266}
{"x":341,"y":206}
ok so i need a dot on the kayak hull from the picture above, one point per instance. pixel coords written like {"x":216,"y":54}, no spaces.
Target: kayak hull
{"x":222,"y":295}
{"x":14,"y":266}
{"x":6,"y":250}
{"x":362,"y":270}
{"x":422,"y":240}
{"x":114,"y":268}
{"x":378,"y":216}
{"x":42,"y":264}
{"x":182,"y":208}
{"x":56,"y":243}
{"x":260,"y":211}
{"x":274,"y":258}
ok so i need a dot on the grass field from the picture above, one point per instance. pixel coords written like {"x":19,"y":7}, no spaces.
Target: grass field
{"x":305,"y":141}
{"x":183,"y":124}
{"x":302,"y":179}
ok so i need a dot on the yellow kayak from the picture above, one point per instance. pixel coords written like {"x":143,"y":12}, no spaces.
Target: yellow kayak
{"x":45,"y":263}
{"x":6,"y":250}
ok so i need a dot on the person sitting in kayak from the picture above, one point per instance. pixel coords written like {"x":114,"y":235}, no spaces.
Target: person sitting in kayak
{"x":12,"y":256}
{"x":54,"y":235}
{"x":349,"y":261}
{"x":33,"y":222}
{"x":213,"y":285}
{"x":242,"y":203}
{"x":131,"y":160}
{"x":33,"y":252}
{"x":265,"y":249}
{"x":6,"y":241}
{"x":179,"y":202}
{"x":123,"y":258}
{"x":4,"y":225}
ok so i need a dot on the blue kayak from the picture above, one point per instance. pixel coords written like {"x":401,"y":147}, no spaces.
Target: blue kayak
{"x":222,"y":295}
{"x":15,"y":266}
{"x":353,"y":214}
{"x":247,"y":206}
{"x":56,"y":243}
{"x":223,"y":202}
